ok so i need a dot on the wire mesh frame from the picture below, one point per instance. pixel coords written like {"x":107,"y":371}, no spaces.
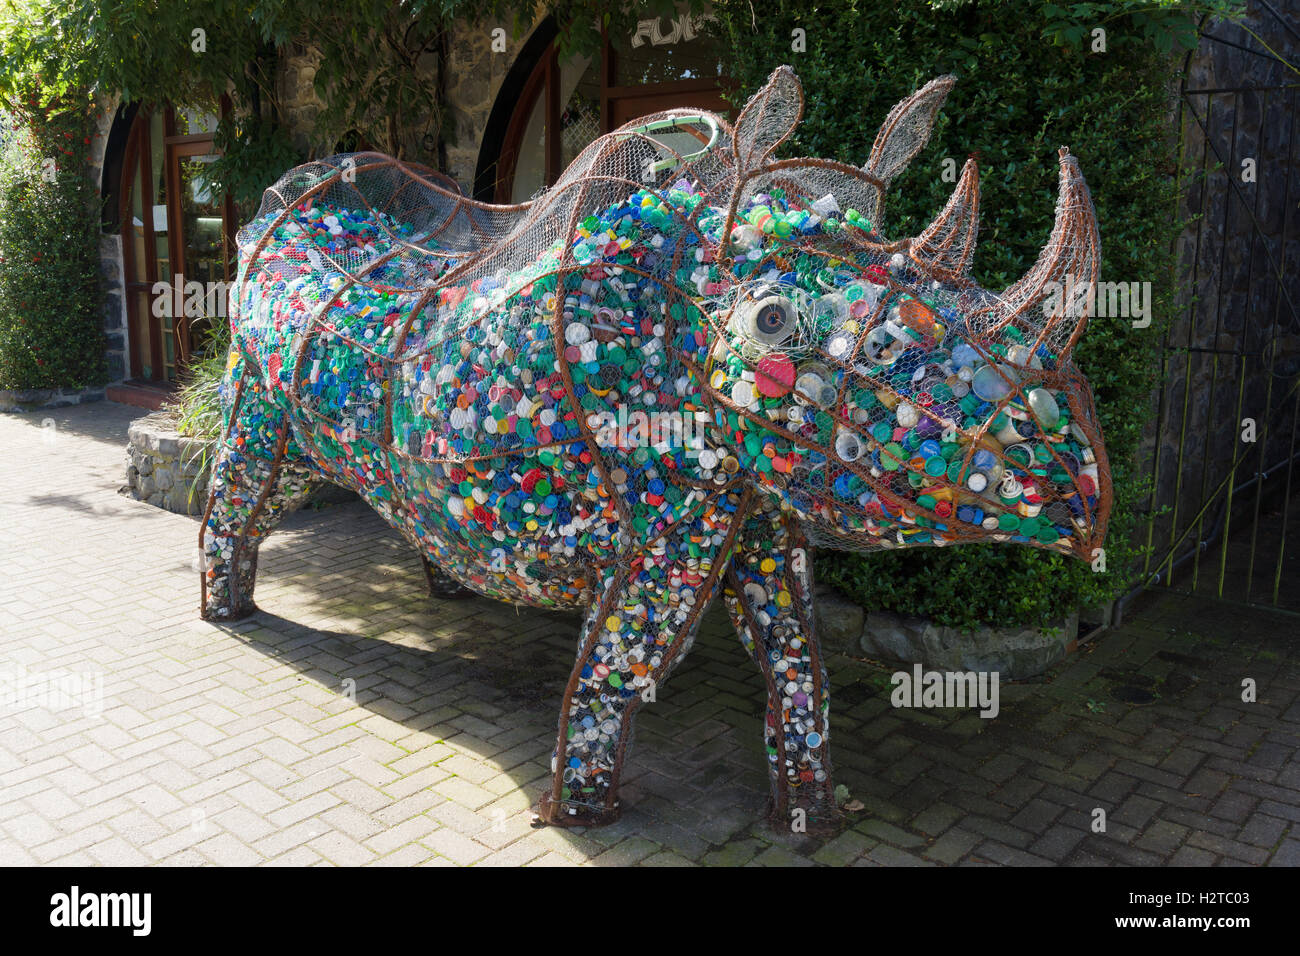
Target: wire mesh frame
{"x":520,"y":219}
{"x":1216,"y":501}
{"x":934,"y":251}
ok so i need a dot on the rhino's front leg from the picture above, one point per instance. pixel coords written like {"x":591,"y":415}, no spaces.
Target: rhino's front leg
{"x":640,"y":628}
{"x":632,"y":638}
{"x":769,"y":597}
{"x":257,"y":479}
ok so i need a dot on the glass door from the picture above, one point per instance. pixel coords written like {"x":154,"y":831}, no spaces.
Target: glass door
{"x":177,"y":242}
{"x":203,"y":246}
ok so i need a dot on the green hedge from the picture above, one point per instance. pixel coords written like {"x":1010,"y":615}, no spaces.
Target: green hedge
{"x":51,"y":332}
{"x":1028,"y":82}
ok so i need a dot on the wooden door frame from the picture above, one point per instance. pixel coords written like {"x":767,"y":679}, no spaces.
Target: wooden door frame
{"x":139,"y":141}
{"x":175,"y":147}
{"x":178,"y":147}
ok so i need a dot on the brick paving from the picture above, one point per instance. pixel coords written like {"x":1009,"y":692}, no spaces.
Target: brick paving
{"x":358,"y":721}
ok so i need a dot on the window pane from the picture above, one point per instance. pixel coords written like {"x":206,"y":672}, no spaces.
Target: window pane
{"x":189,"y":122}
{"x":143,"y":303}
{"x":580,"y":114}
{"x":664,"y":50}
{"x":158,"y":203}
{"x":530,"y":168}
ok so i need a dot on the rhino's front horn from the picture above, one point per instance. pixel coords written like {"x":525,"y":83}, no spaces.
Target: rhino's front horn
{"x":945,"y":249}
{"x":1066,"y":271}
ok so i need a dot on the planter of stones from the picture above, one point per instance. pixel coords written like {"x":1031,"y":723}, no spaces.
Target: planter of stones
{"x":170,"y":471}
{"x":1015,"y":653}
{"x":166,"y":469}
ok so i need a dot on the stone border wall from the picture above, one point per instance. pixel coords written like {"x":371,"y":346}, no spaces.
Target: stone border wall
{"x":1015,"y":653}
{"x":165,"y":469}
{"x":29,"y":399}
{"x":169,"y":471}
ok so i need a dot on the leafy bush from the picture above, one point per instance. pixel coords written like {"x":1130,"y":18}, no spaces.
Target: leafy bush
{"x":196,"y":408}
{"x":51,"y":334}
{"x":1028,"y":82}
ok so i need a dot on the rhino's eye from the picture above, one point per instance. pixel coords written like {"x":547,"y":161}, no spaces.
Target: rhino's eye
{"x":772,"y":319}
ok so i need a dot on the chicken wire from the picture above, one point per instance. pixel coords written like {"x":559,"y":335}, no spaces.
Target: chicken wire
{"x":750,"y":304}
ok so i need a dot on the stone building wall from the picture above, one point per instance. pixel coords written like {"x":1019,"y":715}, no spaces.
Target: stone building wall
{"x":299,"y":103}
{"x":475,"y":73}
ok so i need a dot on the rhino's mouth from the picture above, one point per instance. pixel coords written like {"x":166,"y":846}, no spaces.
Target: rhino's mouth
{"x":849,"y":502}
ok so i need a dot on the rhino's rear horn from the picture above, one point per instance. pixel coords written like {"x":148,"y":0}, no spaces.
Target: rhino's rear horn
{"x":945,"y":249}
{"x":1051,"y":302}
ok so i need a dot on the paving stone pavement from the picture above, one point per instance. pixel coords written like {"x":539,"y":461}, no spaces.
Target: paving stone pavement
{"x":185,"y":743}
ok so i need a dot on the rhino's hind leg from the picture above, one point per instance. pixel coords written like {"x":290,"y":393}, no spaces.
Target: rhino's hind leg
{"x":623,"y":654}
{"x":256,"y":480}
{"x":768,"y":592}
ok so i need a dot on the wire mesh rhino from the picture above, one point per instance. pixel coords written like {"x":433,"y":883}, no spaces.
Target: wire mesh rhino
{"x":660,"y":382}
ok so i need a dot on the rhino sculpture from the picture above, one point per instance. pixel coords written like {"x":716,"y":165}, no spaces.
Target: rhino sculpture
{"x":660,"y":382}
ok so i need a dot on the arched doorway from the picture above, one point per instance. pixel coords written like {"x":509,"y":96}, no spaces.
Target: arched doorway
{"x":544,"y":121}
{"x":178,"y":250}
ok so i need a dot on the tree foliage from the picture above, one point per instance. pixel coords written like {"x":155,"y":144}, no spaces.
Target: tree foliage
{"x":379,"y":64}
{"x":50,"y":298}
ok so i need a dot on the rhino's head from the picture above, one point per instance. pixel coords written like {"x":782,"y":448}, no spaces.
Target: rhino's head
{"x":878,"y":391}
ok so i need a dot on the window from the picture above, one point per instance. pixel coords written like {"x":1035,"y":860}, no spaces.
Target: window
{"x":663,"y":64}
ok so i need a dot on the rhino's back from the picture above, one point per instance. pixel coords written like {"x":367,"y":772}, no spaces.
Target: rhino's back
{"x":488,"y":469}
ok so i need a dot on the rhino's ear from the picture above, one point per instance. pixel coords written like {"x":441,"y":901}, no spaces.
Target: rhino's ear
{"x":907,"y":129}
{"x":768,"y":119}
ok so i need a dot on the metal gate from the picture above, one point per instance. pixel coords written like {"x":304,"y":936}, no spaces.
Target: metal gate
{"x":1223,"y":448}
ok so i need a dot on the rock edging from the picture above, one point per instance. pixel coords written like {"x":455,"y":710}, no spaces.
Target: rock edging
{"x":1015,"y":653}
{"x":31,"y":399}
{"x":166,"y":469}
